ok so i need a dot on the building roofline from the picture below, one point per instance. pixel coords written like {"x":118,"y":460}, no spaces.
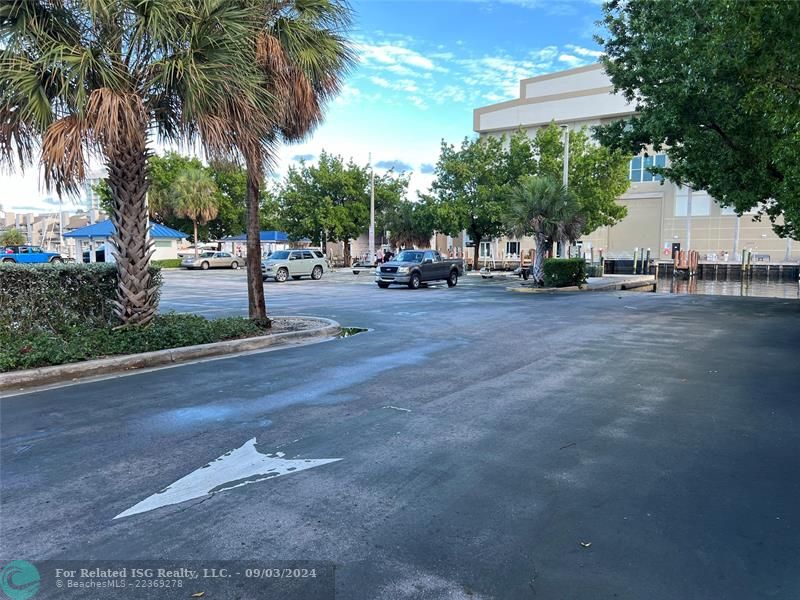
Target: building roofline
{"x":545,"y":77}
{"x":566,"y":72}
{"x":561,"y":122}
{"x":521,"y":100}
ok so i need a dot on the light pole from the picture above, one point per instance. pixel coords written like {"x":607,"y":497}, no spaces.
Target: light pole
{"x":565,"y":179}
{"x":371,"y":211}
{"x":689,"y":219}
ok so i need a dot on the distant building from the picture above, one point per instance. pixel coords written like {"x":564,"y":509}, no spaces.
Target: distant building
{"x":92,"y":237}
{"x":45,"y":229}
{"x":270,"y":241}
{"x":658,"y":213}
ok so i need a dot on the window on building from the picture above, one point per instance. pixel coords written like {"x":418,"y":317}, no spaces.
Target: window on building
{"x":163,"y":244}
{"x":639,"y":169}
{"x":701,"y":203}
{"x":512,"y":248}
{"x":486,"y":250}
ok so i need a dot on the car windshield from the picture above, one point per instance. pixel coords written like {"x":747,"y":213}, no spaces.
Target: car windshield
{"x":280,"y":255}
{"x":409,"y":256}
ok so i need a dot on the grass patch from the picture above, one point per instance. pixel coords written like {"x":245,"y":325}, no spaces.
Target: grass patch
{"x":80,"y":342}
{"x":167,"y":263}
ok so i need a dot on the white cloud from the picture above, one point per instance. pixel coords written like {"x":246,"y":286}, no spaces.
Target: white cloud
{"x":572,"y":61}
{"x":380,"y":81}
{"x":449,"y":93}
{"x":348,"y":95}
{"x":581,"y":51}
{"x":418,"y":102}
{"x":404,"y":71}
{"x":393,"y":54}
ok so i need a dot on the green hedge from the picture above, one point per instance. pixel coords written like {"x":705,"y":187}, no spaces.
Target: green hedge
{"x":167,"y":263}
{"x":563,"y":272}
{"x":79,"y":342}
{"x":57,"y":297}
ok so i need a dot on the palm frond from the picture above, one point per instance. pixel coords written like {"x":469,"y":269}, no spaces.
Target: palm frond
{"x":114,"y":117}
{"x":63,"y":160}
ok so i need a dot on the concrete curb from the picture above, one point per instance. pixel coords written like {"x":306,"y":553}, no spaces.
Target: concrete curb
{"x":634,"y":283}
{"x":45,"y":375}
{"x":546,"y":290}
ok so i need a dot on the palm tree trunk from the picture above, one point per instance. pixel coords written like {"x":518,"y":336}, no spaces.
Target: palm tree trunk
{"x":537,"y":272}
{"x":195,"y":238}
{"x":476,"y":251}
{"x":346,"y":252}
{"x":257,"y":306}
{"x":137,"y":296}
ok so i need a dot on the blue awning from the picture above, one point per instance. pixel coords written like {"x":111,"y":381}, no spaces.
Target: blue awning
{"x":266,"y":236}
{"x":105,"y":229}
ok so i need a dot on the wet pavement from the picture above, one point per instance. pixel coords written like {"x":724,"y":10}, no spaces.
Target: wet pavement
{"x":485,"y":438}
{"x":749,"y":288}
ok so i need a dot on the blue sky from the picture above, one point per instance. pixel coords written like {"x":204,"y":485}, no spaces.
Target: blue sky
{"x":424,"y":65}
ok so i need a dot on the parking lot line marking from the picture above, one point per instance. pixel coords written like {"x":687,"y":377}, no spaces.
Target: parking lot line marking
{"x":236,"y":468}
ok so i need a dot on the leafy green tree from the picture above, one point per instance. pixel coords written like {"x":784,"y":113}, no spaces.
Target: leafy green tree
{"x":231,"y":182}
{"x":329,"y":201}
{"x":467,"y":192}
{"x":194,"y":196}
{"x":12,"y":237}
{"x":391,"y":191}
{"x":470,"y":191}
{"x":411,"y":224}
{"x":543,"y":208}
{"x":598,"y":175}
{"x":109,"y":76}
{"x":304,"y":213}
{"x":714,"y":83}
{"x":230,"y":179}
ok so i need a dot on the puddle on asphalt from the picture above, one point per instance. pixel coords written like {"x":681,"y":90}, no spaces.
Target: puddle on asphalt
{"x":351,"y":331}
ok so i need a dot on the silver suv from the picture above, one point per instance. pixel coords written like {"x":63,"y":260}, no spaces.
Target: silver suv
{"x":282,"y":264}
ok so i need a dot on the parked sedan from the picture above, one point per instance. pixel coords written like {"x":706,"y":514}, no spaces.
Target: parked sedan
{"x":207,"y":260}
{"x":282,"y":264}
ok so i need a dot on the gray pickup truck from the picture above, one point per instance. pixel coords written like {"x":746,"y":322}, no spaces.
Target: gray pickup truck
{"x":414,"y":267}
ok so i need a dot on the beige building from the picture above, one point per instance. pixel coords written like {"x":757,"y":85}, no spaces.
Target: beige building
{"x":46,"y":229}
{"x":660,"y":214}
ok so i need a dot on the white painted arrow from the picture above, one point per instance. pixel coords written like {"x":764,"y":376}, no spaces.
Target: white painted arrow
{"x":233,"y":469}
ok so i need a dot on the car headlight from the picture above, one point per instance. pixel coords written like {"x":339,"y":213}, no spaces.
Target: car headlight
{"x":402,"y":270}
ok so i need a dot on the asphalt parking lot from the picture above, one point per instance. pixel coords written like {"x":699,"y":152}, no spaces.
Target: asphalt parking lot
{"x":490,"y":445}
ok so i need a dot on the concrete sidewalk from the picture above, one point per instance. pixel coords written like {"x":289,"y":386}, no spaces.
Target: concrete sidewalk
{"x":607,"y":283}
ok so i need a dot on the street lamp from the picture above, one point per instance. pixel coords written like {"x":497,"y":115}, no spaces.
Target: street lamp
{"x":371,"y":211}
{"x":565,"y":178}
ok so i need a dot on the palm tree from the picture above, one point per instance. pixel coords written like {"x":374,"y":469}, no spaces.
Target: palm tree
{"x":195,"y":197}
{"x":12,"y":237}
{"x":303,"y":57}
{"x":107,"y":77}
{"x":544,"y":208}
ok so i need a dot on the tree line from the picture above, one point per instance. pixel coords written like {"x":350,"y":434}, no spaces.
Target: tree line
{"x":477,"y":188}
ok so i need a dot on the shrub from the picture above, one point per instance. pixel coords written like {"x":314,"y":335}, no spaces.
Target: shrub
{"x":55,"y":297}
{"x":563,"y":272}
{"x":167,"y":263}
{"x":79,"y":342}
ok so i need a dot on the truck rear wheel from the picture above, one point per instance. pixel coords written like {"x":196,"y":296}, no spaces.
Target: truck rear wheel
{"x":452,"y":279}
{"x":414,"y":282}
